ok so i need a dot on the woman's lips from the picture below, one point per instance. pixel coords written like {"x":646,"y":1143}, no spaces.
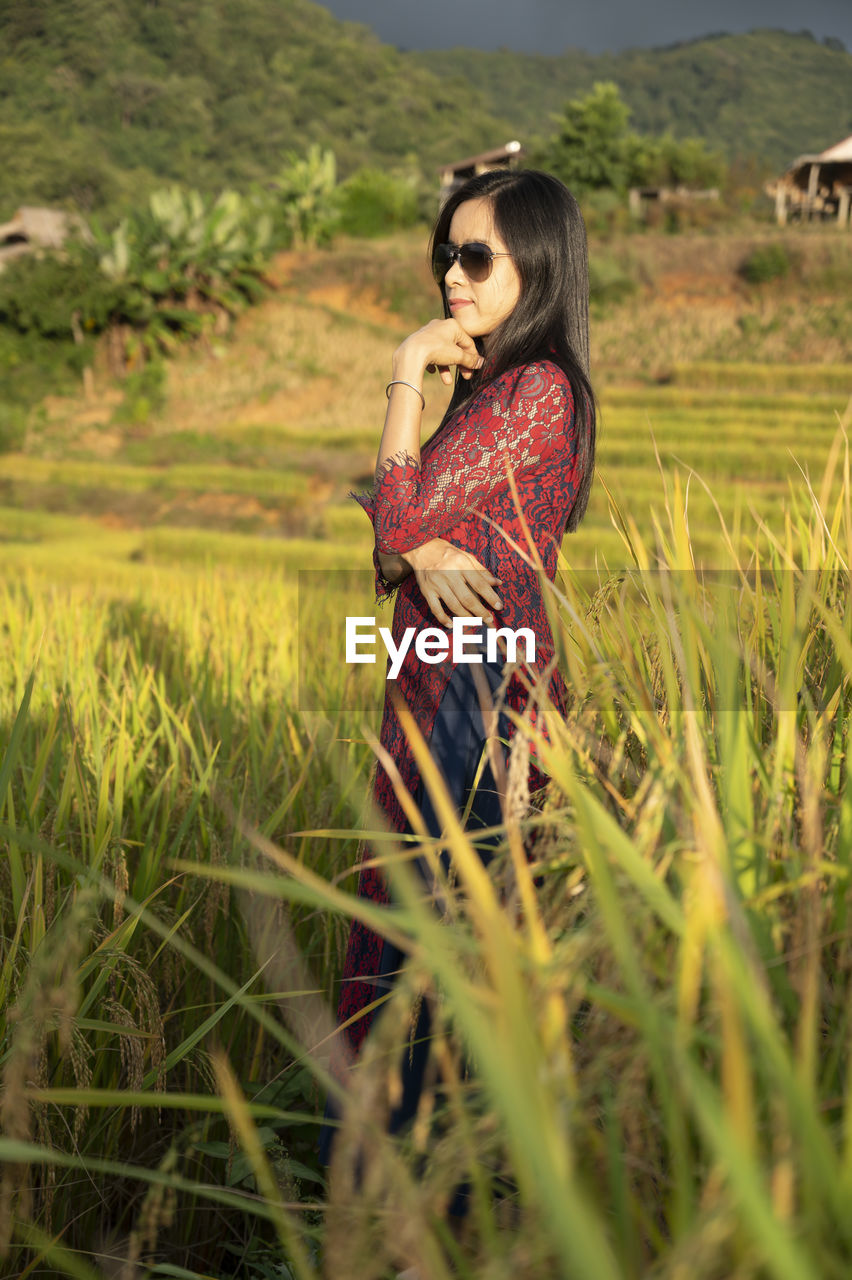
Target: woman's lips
{"x":459,"y":302}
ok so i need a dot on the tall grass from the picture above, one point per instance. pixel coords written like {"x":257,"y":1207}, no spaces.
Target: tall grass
{"x":641,"y":1063}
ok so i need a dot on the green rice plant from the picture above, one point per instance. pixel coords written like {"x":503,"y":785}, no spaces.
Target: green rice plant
{"x":111,"y":763}
{"x":641,"y":1006}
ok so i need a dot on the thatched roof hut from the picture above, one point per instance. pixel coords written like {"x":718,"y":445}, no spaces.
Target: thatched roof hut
{"x":816,"y":186}
{"x":35,"y":228}
{"x":455,"y":174}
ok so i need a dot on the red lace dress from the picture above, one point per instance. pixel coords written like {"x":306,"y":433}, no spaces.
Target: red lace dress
{"x":460,"y":491}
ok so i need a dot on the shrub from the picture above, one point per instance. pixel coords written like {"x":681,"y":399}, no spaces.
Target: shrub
{"x":768,"y":262}
{"x":609,"y":280}
{"x":144,"y":393}
{"x":373,"y":202}
{"x":56,"y":296}
{"x":184,"y":261}
{"x":304,"y":211}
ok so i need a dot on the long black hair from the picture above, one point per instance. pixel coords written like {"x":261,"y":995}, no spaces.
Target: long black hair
{"x":542,"y":227}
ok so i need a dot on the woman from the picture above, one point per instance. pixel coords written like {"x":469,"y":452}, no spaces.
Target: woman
{"x":509,"y":255}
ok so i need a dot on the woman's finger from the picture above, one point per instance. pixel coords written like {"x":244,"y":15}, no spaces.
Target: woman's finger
{"x":434,"y":602}
{"x":483,"y":584}
{"x":442,"y":597}
{"x":475,"y":606}
{"x":462,"y":601}
{"x":489,"y":595}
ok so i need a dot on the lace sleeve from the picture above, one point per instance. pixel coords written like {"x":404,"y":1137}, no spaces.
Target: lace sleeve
{"x":385,"y":589}
{"x":524,"y":419}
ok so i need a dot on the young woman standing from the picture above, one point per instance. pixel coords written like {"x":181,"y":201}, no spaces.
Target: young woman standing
{"x":509,"y":256}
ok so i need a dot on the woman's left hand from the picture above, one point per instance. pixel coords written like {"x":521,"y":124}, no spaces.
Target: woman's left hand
{"x":452,"y":581}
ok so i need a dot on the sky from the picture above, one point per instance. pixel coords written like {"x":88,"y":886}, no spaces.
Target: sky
{"x":597,"y":26}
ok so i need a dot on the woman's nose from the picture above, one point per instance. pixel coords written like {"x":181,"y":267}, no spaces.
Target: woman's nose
{"x":455,"y":276}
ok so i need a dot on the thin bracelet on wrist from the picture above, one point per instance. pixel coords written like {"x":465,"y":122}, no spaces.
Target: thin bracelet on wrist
{"x":400,"y":382}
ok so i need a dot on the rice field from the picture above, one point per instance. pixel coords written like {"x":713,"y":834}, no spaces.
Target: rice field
{"x":656,"y":1007}
{"x":747,"y":435}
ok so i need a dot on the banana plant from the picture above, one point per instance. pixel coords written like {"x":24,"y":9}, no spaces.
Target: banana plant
{"x":184,"y":256}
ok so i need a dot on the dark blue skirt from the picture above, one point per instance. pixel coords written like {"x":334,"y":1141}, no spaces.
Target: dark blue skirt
{"x":457,"y":740}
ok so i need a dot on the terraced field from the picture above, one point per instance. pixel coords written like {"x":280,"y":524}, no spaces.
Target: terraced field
{"x":279,"y":496}
{"x":247,"y":455}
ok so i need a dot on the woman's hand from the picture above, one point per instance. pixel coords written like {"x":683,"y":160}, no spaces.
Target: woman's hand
{"x":453,"y":581}
{"x":440,"y":344}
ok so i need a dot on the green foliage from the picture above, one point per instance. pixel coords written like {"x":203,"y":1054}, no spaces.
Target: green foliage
{"x":144,"y":393}
{"x":591,"y":149}
{"x":609,"y":280}
{"x":671,"y":162}
{"x":373,"y":202}
{"x":767,"y":262}
{"x":213,"y":93}
{"x":32,"y":367}
{"x":56,"y":296}
{"x":734,"y":91}
{"x":208,"y":93}
{"x":183,"y":260}
{"x":13,"y":427}
{"x":305,"y":210}
{"x":594,"y":152}
{"x":171,"y":269}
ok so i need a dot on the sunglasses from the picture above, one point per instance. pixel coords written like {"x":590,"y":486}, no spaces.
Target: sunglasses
{"x":475,"y":260}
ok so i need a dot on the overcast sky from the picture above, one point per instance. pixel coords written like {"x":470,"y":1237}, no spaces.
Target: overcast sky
{"x":550,"y":26}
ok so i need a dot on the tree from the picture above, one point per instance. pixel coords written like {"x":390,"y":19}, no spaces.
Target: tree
{"x":592,"y":148}
{"x":595,"y":151}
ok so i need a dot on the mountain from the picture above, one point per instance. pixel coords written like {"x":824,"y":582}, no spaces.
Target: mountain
{"x":100,"y":100}
{"x":768,"y":94}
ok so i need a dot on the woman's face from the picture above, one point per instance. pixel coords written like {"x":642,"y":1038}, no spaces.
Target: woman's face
{"x":480,"y":308}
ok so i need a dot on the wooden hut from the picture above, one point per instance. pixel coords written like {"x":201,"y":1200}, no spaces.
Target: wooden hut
{"x":642,"y":199}
{"x":454,"y":175}
{"x":34,"y":228}
{"x":816,"y":186}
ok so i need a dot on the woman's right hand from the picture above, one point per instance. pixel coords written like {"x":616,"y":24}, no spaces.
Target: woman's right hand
{"x":440,"y":344}
{"x":453,"y":582}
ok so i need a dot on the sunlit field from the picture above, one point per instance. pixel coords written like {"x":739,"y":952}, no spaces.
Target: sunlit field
{"x":651,"y":984}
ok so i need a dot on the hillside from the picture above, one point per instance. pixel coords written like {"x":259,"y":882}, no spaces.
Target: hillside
{"x":207,"y":92}
{"x":247,"y":452}
{"x":100,"y":100}
{"x":768,"y":94}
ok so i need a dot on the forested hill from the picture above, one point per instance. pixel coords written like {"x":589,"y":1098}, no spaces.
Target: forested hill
{"x":99,"y":96}
{"x":768,"y":94}
{"x":101,"y":99}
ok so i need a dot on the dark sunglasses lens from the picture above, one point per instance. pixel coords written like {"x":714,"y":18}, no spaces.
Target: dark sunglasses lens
{"x":475,"y":262}
{"x":441,"y":261}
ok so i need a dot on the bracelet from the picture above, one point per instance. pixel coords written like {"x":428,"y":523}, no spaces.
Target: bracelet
{"x":400,"y":382}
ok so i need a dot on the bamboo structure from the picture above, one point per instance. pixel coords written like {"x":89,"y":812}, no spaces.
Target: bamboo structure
{"x":815,"y":186}
{"x":455,"y":174}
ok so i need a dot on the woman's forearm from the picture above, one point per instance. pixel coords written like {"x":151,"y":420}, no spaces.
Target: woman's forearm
{"x":401,"y":431}
{"x":394,"y":566}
